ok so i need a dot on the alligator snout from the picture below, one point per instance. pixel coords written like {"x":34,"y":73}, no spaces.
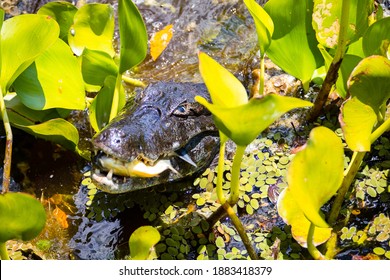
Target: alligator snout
{"x":165,"y":136}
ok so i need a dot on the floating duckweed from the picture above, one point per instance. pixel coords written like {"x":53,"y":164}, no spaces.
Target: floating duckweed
{"x":166,"y":256}
{"x":87,"y":181}
{"x":371,"y":191}
{"x":387,"y":254}
{"x":203,"y":183}
{"x":379,"y":251}
{"x":160,"y":248}
{"x":200,"y":201}
{"x":249,"y":209}
{"x":254,"y":203}
{"x":219,"y":242}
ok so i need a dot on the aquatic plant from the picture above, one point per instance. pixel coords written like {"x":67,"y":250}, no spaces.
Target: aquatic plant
{"x":240,"y":120}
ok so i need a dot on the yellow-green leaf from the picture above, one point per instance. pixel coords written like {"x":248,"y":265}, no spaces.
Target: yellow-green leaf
{"x":224,"y":88}
{"x":93,"y":28}
{"x":22,"y":217}
{"x":244,"y":123}
{"x":141,"y":241}
{"x":292,"y":214}
{"x":316,"y":173}
{"x":264,"y":25}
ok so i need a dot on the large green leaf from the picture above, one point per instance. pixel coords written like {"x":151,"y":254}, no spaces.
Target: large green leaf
{"x":224,"y":88}
{"x":141,"y":242}
{"x":96,"y":66}
{"x":63,"y":12}
{"x":369,"y":86}
{"x":245,"y":122}
{"x":264,"y":25}
{"x":133,"y":36}
{"x":23,"y":38}
{"x":327,"y":17}
{"x":316,"y":173}
{"x":58,"y":131}
{"x":53,"y":81}
{"x":93,"y":28}
{"x":22,"y":217}
{"x":376,"y":41}
{"x":292,"y":214}
{"x":294,"y":45}
{"x":100,"y":108}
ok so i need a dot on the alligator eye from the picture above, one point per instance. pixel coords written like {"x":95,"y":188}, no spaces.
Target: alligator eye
{"x":182,"y":110}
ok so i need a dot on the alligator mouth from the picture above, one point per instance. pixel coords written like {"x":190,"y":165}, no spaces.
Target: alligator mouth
{"x":116,"y":175}
{"x":113,"y":172}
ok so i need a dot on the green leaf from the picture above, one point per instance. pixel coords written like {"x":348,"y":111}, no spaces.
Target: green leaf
{"x":376,"y":41}
{"x":53,"y":81}
{"x":58,"y":131}
{"x":264,"y":25}
{"x":99,"y":109}
{"x":141,"y":242}
{"x":244,"y":123}
{"x":22,"y":217}
{"x":63,"y":12}
{"x":224,"y":88}
{"x":133,"y":35}
{"x":369,"y":86}
{"x":37,"y":32}
{"x":292,"y":214}
{"x":93,"y":28}
{"x":96,"y":66}
{"x":327,"y":17}
{"x":316,"y":173}
{"x":294,"y":45}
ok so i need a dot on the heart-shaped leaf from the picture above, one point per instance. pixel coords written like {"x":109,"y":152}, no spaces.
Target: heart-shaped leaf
{"x":376,"y":41}
{"x":96,"y":66}
{"x":224,"y":88}
{"x":93,"y":28}
{"x":22,"y":217}
{"x":264,"y":25}
{"x":315,"y":173}
{"x":369,"y":86}
{"x":141,"y":242}
{"x":37,"y":32}
{"x":244,"y":123}
{"x":63,"y":12}
{"x":293,"y":39}
{"x":133,"y":35}
{"x":327,"y":17}
{"x":52,"y":81}
{"x":292,"y":214}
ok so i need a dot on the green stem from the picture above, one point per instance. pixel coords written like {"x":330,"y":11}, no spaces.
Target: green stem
{"x":314,"y":252}
{"x":349,"y":176}
{"x":262,"y":72}
{"x":3,"y":252}
{"x":241,"y":231}
{"x":236,"y":171}
{"x":220,"y":170}
{"x":8,"y":145}
{"x":380,"y":130}
{"x":133,"y":82}
{"x":332,"y":74}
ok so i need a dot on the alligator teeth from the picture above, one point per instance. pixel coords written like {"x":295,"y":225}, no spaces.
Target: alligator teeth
{"x":182,"y":153}
{"x":109,"y":174}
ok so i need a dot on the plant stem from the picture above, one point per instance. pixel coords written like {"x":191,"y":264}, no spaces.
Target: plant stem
{"x":314,"y":252}
{"x":3,"y":252}
{"x":8,"y":145}
{"x":116,"y":98}
{"x":133,"y":82}
{"x":262,"y":71}
{"x":332,"y":74}
{"x":241,"y":231}
{"x":236,"y":171}
{"x":380,"y":130}
{"x":349,"y":176}
{"x":220,"y":170}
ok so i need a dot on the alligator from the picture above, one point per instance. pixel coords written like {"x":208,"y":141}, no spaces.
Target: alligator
{"x":163,"y":137}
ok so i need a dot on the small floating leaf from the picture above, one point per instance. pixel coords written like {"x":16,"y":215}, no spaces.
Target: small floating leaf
{"x":379,"y":251}
{"x":142,"y":241}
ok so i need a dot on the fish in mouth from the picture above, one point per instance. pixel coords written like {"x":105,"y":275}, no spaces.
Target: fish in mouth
{"x":163,"y":137}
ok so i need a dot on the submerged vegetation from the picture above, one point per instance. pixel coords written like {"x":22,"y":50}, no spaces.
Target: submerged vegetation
{"x":319,"y":189}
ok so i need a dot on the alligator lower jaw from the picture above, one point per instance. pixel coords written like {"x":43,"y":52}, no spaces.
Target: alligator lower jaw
{"x":114,"y":173}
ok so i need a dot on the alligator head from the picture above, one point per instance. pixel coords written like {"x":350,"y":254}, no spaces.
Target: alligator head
{"x":163,"y":137}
